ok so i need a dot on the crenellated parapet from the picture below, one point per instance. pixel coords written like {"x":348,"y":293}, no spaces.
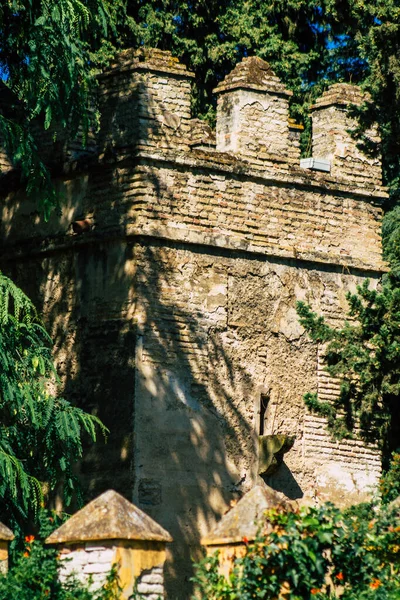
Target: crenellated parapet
{"x":253,"y":114}
{"x":332,"y":139}
{"x":240,"y":187}
{"x":145,"y":101}
{"x":145,"y":105}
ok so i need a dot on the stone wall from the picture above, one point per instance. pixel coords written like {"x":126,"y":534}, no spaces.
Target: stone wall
{"x":215,"y":334}
{"x":150,"y":584}
{"x":174,"y":313}
{"x":92,"y":561}
{"x":332,"y":125}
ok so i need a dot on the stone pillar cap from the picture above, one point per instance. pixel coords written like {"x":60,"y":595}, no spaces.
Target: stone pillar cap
{"x":342,"y":93}
{"x":253,"y":73}
{"x":243,"y":520}
{"x":109,"y":517}
{"x":147,"y":59}
{"x":6,"y":535}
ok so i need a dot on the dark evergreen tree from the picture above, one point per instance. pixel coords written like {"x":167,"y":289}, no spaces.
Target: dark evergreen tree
{"x":365,"y":355}
{"x":48,"y":54}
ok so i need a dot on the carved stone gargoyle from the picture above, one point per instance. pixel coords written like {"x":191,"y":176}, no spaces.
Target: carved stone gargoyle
{"x":271,"y":449}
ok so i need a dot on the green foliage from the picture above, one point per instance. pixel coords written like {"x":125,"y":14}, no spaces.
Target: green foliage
{"x":34,"y":573}
{"x":210,"y":583}
{"x":211,"y":37}
{"x":34,"y":577}
{"x":309,"y":44}
{"x":389,"y":486}
{"x":314,"y":552}
{"x":391,"y":243}
{"x":365,"y":355}
{"x":48,"y":54}
{"x":40,"y":434}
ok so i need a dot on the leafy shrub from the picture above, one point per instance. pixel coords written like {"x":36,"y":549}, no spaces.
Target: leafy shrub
{"x":312,"y":553}
{"x":390,"y":481}
{"x":41,"y":435}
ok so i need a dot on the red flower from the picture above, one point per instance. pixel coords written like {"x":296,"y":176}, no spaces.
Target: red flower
{"x":375,"y":583}
{"x":340,"y":576}
{"x":29,"y":538}
{"x":315,"y":591}
{"x":245,"y":540}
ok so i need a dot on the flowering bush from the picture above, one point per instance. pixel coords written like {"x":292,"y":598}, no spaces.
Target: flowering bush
{"x":33,"y":574}
{"x":313,"y":553}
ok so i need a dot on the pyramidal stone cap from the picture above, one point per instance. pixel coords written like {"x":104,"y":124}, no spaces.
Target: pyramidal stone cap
{"x":342,"y":94}
{"x":109,"y":517}
{"x":253,"y":73}
{"x":6,"y":535}
{"x":147,"y":59}
{"x":243,"y":521}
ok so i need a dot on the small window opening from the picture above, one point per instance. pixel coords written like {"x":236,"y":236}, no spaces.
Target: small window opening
{"x":264,"y":401}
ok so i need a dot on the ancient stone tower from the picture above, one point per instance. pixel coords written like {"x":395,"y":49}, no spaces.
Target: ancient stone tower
{"x":169,"y":284}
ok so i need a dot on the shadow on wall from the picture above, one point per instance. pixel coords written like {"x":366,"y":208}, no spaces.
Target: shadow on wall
{"x":283,"y":481}
{"x":143,"y":340}
{"x":192,"y":427}
{"x":133,"y":346}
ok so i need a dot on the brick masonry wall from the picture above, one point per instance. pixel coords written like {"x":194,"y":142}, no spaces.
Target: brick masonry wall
{"x":150,"y":584}
{"x":249,"y":213}
{"x":90,"y":561}
{"x":345,"y":472}
{"x":332,"y":127}
{"x":194,"y":202}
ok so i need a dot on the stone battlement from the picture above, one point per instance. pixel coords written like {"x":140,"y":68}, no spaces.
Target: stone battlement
{"x":242,"y":188}
{"x":153,"y":96}
{"x":145,"y":98}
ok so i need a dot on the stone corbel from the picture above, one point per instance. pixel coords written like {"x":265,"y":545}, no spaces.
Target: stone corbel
{"x":271,"y":449}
